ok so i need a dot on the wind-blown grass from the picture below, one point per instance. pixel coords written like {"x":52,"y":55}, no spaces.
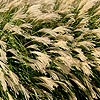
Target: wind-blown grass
{"x":49,"y":50}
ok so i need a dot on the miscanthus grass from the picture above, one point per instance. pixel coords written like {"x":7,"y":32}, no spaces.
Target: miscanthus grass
{"x":49,"y":49}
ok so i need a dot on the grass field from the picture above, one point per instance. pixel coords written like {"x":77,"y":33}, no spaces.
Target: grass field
{"x":49,"y":50}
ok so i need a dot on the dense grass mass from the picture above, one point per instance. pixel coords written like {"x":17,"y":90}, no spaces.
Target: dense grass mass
{"x":49,"y":49}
